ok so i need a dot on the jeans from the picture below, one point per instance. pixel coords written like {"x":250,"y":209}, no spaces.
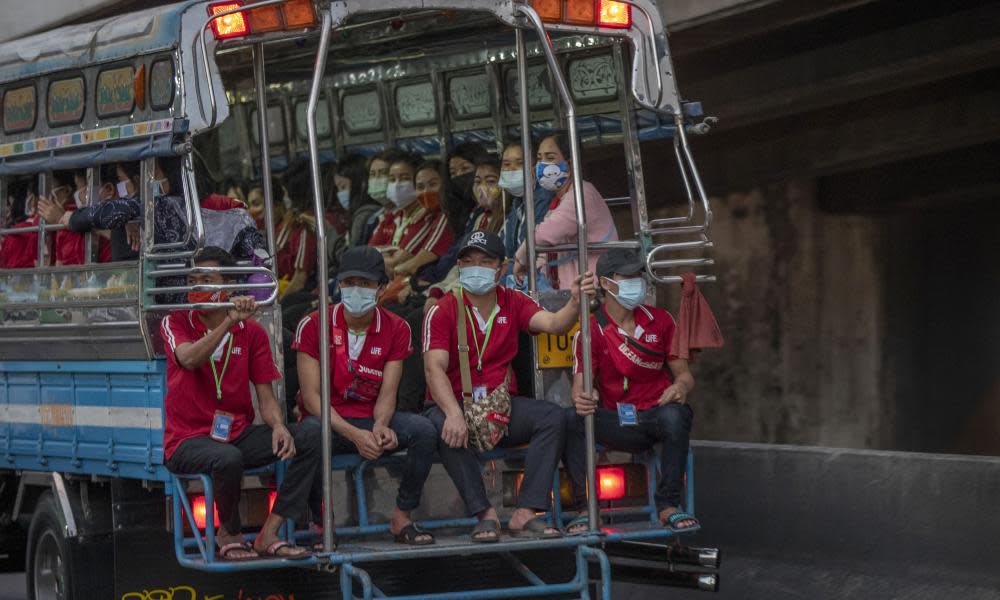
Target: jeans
{"x":535,"y":422}
{"x":415,"y":434}
{"x":669,"y":424}
{"x":225,"y":462}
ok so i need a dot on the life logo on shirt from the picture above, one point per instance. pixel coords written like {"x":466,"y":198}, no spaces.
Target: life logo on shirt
{"x":501,"y":320}
{"x":237,"y":351}
{"x":376,"y":351}
{"x":653,"y":338}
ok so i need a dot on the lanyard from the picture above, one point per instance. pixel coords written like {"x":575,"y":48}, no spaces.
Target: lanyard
{"x":486,"y":339}
{"x":401,"y":226}
{"x":218,"y":376}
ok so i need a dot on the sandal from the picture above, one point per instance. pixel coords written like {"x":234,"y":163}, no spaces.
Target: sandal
{"x":535,"y":529}
{"x":409,"y":534}
{"x":675,"y":518}
{"x":274,"y":549}
{"x":224,"y":551}
{"x":486,"y":526}
{"x":582,"y":523}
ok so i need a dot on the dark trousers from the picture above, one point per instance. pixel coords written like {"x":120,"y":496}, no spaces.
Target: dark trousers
{"x":412,"y":392}
{"x":415,"y":434}
{"x":225,"y":462}
{"x":669,"y":424}
{"x":535,"y":422}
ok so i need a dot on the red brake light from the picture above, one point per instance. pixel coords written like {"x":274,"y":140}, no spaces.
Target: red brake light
{"x":548,"y":10}
{"x":298,"y":13}
{"x":614,"y":15}
{"x":198,"y":508}
{"x":610,"y":483}
{"x":229,"y":26}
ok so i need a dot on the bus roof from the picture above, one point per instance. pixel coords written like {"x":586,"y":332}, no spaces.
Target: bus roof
{"x":78,"y":46}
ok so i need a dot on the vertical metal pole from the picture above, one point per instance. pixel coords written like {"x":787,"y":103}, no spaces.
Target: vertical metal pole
{"x":148,"y":209}
{"x":323,"y":276}
{"x":43,"y":189}
{"x":90,"y":248}
{"x":633,"y":160}
{"x":529,"y":190}
{"x":265,"y":144}
{"x":581,"y":241}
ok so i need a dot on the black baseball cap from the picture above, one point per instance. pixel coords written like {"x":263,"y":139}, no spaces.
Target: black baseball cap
{"x":484,"y":241}
{"x":362,"y":261}
{"x":622,"y":261}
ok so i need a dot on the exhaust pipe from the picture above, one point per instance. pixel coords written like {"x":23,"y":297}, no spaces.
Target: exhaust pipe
{"x":649,"y":575}
{"x":709,"y":558}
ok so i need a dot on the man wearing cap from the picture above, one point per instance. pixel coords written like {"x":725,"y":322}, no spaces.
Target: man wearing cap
{"x":367,"y":347}
{"x":493,"y":316}
{"x":640,"y":390}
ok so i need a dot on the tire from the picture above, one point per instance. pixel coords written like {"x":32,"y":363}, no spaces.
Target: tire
{"x":49,"y":563}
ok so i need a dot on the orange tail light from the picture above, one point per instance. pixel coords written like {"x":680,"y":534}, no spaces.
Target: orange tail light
{"x":614,"y":15}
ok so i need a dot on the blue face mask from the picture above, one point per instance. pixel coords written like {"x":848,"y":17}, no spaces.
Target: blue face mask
{"x":513,"y":182}
{"x":156,"y":187}
{"x":631,"y":292}
{"x":477,"y":280}
{"x":344,"y":197}
{"x":552,"y":176}
{"x":358,"y":301}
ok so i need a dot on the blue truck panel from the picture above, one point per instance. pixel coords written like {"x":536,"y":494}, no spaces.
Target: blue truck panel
{"x":87,"y":417}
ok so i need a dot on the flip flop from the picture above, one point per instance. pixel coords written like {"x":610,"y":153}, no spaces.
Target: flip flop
{"x":409,"y":534}
{"x":581,"y":521}
{"x":535,"y":529}
{"x":275,"y":547}
{"x":223,"y":552}
{"x":677,"y":517}
{"x":486,"y":526}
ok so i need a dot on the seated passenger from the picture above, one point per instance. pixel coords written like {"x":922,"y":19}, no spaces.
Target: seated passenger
{"x":20,"y":250}
{"x":640,"y":390}
{"x":70,"y":245}
{"x":515,"y":229}
{"x":367,"y":348}
{"x":459,"y":200}
{"x":350,"y":188}
{"x":212,"y":358}
{"x":295,"y":234}
{"x":377,"y":189}
{"x":554,"y":173}
{"x":493,"y":316}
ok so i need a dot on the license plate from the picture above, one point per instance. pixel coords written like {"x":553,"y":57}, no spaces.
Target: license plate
{"x":556,"y":351}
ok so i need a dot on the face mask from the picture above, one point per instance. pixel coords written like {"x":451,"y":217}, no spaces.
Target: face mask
{"x":513,"y":182}
{"x":431,"y":201}
{"x":463,"y":186}
{"x":76,"y":199}
{"x":377,"y":187}
{"x":631,"y":292}
{"x":287,"y":202}
{"x":344,"y":197}
{"x":486,"y":195}
{"x":207,"y":296}
{"x":358,"y":301}
{"x":123,"y":189}
{"x":477,"y":280}
{"x":401,"y":193}
{"x":552,"y":176}
{"x":29,"y":206}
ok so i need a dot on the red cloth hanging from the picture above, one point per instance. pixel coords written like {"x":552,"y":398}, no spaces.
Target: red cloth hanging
{"x":697,"y":328}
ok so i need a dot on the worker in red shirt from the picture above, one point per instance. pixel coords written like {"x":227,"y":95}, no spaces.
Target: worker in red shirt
{"x":20,"y":250}
{"x":367,"y":347}
{"x":494,"y":316}
{"x":213,"y":356}
{"x":640,"y":390}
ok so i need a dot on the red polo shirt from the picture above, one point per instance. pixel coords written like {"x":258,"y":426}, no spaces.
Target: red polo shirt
{"x":356,"y":383}
{"x":422,"y":230}
{"x":441,"y":333}
{"x":20,"y":251}
{"x":296,"y":249}
{"x":619,"y":362}
{"x":191,"y":401}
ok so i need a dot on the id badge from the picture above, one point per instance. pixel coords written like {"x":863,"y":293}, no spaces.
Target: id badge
{"x":222,"y":426}
{"x":479,"y":393}
{"x":627,"y":415}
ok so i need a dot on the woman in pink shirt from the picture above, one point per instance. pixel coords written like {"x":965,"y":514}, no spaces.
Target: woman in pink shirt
{"x":554,"y":173}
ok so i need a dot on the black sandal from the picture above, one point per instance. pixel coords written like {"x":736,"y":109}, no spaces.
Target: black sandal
{"x":535,"y":529}
{"x":409,"y":534}
{"x":486,"y":526}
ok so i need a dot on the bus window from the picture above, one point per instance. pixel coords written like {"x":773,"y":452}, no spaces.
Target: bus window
{"x":322,"y":119}
{"x":20,"y":108}
{"x":161,"y":84}
{"x":539,"y":95}
{"x":593,"y":79}
{"x":66,"y":101}
{"x":415,"y":104}
{"x":362,"y":111}
{"x":470,"y":96}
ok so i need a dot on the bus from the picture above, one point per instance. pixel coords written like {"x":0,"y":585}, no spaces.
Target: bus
{"x":240,"y":90}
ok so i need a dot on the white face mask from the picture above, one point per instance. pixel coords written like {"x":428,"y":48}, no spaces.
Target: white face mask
{"x":76,"y":199}
{"x":29,"y":206}
{"x":287,"y":202}
{"x":401,"y":193}
{"x":122,"y":189}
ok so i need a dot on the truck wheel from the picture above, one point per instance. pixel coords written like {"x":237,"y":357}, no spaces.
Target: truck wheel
{"x":49,"y":561}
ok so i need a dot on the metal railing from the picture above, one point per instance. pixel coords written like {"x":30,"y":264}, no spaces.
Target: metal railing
{"x":151,"y":292}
